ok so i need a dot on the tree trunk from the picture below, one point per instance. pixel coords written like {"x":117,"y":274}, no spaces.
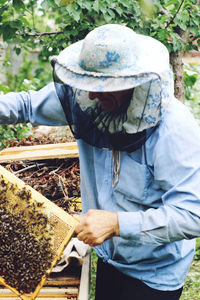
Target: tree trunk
{"x":177,"y":66}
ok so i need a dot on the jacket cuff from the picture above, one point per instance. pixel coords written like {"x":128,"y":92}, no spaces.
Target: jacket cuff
{"x":129,"y":225}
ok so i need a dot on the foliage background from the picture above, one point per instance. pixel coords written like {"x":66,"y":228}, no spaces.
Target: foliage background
{"x":48,"y":26}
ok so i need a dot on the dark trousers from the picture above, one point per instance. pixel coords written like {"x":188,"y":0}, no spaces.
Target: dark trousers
{"x":113,"y":285}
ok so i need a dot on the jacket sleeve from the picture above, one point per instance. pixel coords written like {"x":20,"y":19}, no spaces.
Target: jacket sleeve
{"x":176,"y":168}
{"x":39,"y":108}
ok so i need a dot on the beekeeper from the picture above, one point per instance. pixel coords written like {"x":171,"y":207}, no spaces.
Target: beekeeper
{"x":139,"y":158}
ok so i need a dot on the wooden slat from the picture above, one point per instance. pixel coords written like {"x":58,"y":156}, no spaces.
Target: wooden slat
{"x":45,"y":293}
{"x":38,"y":152}
{"x":64,"y":282}
{"x":48,"y":291}
{"x":52,"y":298}
{"x":84,"y":291}
{"x":43,"y":297}
{"x":49,"y":296}
{"x":67,"y":290}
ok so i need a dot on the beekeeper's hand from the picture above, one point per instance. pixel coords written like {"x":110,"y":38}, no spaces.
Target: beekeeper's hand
{"x":96,"y":226}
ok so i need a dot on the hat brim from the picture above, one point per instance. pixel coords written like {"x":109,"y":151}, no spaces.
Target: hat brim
{"x":68,"y":70}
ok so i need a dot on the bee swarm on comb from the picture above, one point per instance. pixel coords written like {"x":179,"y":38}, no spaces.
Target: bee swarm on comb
{"x":26,"y":248}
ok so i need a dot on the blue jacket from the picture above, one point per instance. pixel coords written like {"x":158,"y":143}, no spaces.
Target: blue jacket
{"x":157,"y":196}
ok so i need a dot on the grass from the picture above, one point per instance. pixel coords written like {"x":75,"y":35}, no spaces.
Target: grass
{"x":93,"y":275}
{"x":191,"y":290}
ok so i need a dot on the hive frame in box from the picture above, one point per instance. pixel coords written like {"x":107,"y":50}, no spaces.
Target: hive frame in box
{"x":57,"y":212}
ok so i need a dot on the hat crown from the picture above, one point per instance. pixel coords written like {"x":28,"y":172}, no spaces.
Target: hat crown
{"x":109,"y":49}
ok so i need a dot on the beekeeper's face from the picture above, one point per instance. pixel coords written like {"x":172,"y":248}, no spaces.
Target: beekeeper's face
{"x":111,"y":101}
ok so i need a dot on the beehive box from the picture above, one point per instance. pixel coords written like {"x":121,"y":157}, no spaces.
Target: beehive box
{"x":66,"y":290}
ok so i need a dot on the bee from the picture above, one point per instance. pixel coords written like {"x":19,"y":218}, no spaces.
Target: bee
{"x":15,"y":206}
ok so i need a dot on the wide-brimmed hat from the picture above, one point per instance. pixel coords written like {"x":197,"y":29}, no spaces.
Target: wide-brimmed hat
{"x":112,"y":57}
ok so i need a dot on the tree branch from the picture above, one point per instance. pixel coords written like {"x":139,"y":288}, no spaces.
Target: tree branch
{"x":171,"y":21}
{"x":45,"y":33}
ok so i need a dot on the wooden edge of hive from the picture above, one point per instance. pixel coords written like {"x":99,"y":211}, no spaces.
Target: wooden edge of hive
{"x":39,"y":152}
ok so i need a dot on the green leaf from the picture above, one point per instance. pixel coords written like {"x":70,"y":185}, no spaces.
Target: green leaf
{"x":8,"y":32}
{"x":84,"y":4}
{"x":52,"y":4}
{"x":171,"y":2}
{"x":76,"y":15}
{"x":45,"y":5}
{"x":24,"y":21}
{"x":182,"y":17}
{"x":111,"y":13}
{"x":176,"y":41}
{"x":5,"y":16}
{"x":49,"y":4}
{"x":103,"y":9}
{"x":126,"y":3}
{"x":96,"y":5}
{"x":3,"y":1}
{"x":18,"y":4}
{"x":107,"y":18}
{"x":194,"y":30}
{"x":16,"y":24}
{"x":162,"y":34}
{"x":17,"y":50}
{"x":70,"y":8}
{"x":183,"y":26}
{"x":119,"y":10}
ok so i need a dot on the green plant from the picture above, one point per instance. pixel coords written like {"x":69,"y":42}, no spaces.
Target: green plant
{"x":192,"y":284}
{"x":192,"y":88}
{"x":93,"y":275}
{"x":191,"y":74}
{"x":197,"y":252}
{"x":28,"y":76}
{"x":10,"y":133}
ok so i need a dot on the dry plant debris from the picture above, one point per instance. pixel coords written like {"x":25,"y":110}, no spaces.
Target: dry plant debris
{"x":39,"y":140}
{"x":56,"y":179}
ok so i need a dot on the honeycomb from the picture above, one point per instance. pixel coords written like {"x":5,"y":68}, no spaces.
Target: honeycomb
{"x":33,"y":234}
